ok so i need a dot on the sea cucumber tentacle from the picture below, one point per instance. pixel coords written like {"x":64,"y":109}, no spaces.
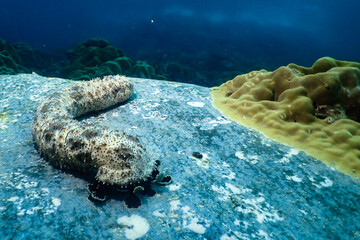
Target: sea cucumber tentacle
{"x":71,"y":144}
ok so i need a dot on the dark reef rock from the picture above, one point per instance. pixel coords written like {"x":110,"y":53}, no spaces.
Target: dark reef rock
{"x":41,"y":62}
{"x":23,"y":58}
{"x":10,"y":62}
{"x":97,"y":58}
{"x":92,"y":58}
{"x":143,"y":70}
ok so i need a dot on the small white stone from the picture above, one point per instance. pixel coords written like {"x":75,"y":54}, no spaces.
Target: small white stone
{"x":294,"y":178}
{"x":195,"y":226}
{"x":174,"y":205}
{"x":13,"y":199}
{"x":226,"y":237}
{"x":159,"y":213}
{"x":56,"y":202}
{"x":234,"y":189}
{"x":135,"y":226}
{"x":174,"y":187}
{"x":326,"y":183}
{"x":196,"y":104}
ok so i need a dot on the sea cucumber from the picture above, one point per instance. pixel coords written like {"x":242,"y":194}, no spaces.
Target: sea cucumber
{"x":75,"y":145}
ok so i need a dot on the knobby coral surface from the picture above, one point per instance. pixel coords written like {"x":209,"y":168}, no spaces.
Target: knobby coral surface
{"x":71,"y":144}
{"x":314,"y":109}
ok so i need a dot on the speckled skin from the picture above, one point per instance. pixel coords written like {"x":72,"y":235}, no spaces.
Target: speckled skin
{"x":71,"y":144}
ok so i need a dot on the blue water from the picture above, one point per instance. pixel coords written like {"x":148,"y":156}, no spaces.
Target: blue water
{"x":206,"y":38}
{"x":278,"y":31}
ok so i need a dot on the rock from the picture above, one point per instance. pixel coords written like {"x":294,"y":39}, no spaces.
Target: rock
{"x":243,"y":185}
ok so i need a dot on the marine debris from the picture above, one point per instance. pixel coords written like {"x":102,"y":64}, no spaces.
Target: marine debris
{"x":117,"y":158}
{"x":314,"y":109}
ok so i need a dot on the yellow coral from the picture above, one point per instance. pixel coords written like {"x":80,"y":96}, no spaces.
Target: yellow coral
{"x":314,"y":109}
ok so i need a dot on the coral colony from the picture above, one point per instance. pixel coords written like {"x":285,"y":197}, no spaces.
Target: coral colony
{"x":309,"y":108}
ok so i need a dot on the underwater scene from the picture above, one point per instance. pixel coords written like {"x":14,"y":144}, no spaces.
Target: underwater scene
{"x":179,"y":119}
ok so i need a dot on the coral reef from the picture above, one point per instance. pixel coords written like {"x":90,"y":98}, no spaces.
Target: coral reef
{"x":97,"y":58}
{"x":144,"y":70}
{"x":92,"y":58}
{"x":314,"y":109}
{"x":70,"y":144}
{"x":178,"y":72}
{"x":41,"y":62}
{"x":10,"y":62}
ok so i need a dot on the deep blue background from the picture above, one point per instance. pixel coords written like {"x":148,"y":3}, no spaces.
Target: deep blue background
{"x":280,"y":31}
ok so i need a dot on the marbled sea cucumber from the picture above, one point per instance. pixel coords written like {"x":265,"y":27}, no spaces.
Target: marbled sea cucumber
{"x":67,"y":143}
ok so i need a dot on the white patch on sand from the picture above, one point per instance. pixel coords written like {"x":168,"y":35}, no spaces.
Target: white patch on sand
{"x":286,"y":157}
{"x":226,"y":194}
{"x":294,"y":178}
{"x":157,"y":91}
{"x":303,"y":212}
{"x":13,"y":199}
{"x":250,"y":159}
{"x":56,"y":202}
{"x":154,"y":114}
{"x":174,"y":205}
{"x":33,"y":210}
{"x":207,"y":124}
{"x":221,"y":190}
{"x":326,"y":183}
{"x":240,"y":155}
{"x":234,"y":189}
{"x":253,"y":159}
{"x":226,"y":165}
{"x":188,"y":218}
{"x":135,"y":226}
{"x":230,"y":176}
{"x":174,"y":186}
{"x":218,"y":121}
{"x":21,"y":212}
{"x":195,"y":226}
{"x":159,"y":213}
{"x":42,"y":203}
{"x":262,"y":210}
{"x":150,"y":105}
{"x":45,"y":191}
{"x":263,"y":234}
{"x":226,"y":237}
{"x":192,"y":222}
{"x":196,"y":104}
